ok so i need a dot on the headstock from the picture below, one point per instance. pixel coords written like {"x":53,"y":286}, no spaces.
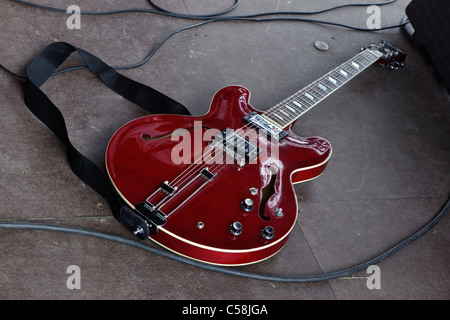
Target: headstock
{"x":390,"y":56}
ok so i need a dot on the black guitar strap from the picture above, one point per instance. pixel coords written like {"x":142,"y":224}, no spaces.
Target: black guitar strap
{"x":41,"y":69}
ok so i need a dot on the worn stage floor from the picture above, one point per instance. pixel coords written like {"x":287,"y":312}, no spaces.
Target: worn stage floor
{"x":388,"y":176}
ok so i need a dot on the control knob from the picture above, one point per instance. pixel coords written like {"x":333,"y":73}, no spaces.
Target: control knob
{"x":236,"y":228}
{"x":267,"y":232}
{"x":247,"y":205}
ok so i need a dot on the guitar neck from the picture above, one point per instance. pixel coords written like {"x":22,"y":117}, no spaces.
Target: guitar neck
{"x":289,"y":110}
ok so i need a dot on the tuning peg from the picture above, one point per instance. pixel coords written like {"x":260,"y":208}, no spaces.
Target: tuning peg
{"x":395,"y":65}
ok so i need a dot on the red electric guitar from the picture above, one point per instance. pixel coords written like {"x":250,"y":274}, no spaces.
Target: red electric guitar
{"x":219,"y":188}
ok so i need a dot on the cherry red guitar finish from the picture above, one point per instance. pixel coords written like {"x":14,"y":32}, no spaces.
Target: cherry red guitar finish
{"x":199,"y":214}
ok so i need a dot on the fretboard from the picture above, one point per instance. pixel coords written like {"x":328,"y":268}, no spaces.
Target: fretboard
{"x":290,"y":109}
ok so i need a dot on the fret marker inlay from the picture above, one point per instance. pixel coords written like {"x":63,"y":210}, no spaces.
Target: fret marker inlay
{"x":278,"y":116}
{"x":290,"y":108}
{"x":297,"y":104}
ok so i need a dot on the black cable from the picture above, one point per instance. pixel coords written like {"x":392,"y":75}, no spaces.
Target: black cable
{"x":166,"y":12}
{"x":216,"y":16}
{"x":227,"y":270}
{"x":149,"y":56}
{"x":234,"y":6}
{"x":208,"y":19}
{"x":159,"y":10}
{"x":323,"y":10}
{"x":20,"y":76}
{"x":154,"y":51}
{"x":212,"y":18}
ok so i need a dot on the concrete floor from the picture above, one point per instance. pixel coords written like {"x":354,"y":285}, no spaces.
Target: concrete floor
{"x":388,"y":176}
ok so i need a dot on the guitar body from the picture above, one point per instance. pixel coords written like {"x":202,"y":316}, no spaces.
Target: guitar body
{"x":174,"y":171}
{"x":201,"y":213}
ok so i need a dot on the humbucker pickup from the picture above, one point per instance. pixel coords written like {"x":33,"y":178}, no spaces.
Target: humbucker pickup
{"x":237,"y":146}
{"x":273,"y":132}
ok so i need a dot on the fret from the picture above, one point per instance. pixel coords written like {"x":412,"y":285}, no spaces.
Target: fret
{"x":270,"y":116}
{"x":300,"y":98}
{"x":343,"y":78}
{"x":287,"y":111}
{"x":306,"y":103}
{"x":315,"y":91}
{"x":290,"y":109}
{"x":350,"y":71}
{"x":310,"y":97}
{"x":316,"y":94}
{"x":284,"y":112}
{"x":272,"y":120}
{"x":324,"y":84}
{"x":322,"y":87}
{"x":326,"y":88}
{"x":363,"y":62}
{"x":298,"y":104}
{"x":290,"y":115}
{"x":340,"y":78}
{"x":375,"y":54}
{"x":320,"y":93}
{"x":313,"y":88}
{"x":366,"y":56}
{"x":369,"y":56}
{"x":343,"y":73}
{"x":278,"y":116}
{"x":349,"y":74}
{"x":293,"y":110}
{"x":311,"y":93}
{"x":332,"y":81}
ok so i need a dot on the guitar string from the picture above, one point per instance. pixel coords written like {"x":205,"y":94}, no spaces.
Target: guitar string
{"x":296,"y":95}
{"x":358,"y":58}
{"x":187,"y":170}
{"x":193,"y":171}
{"x":299,"y":94}
{"x":250,"y":126}
{"x":195,"y":176}
{"x":184,"y":175}
{"x":267,"y":112}
{"x":190,"y":173}
{"x":343,"y":66}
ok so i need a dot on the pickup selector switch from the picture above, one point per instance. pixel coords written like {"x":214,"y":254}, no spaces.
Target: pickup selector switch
{"x":247,"y":205}
{"x":236,"y":228}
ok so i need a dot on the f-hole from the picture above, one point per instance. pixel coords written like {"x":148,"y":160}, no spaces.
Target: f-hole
{"x":175,"y":133}
{"x":267,"y":192}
